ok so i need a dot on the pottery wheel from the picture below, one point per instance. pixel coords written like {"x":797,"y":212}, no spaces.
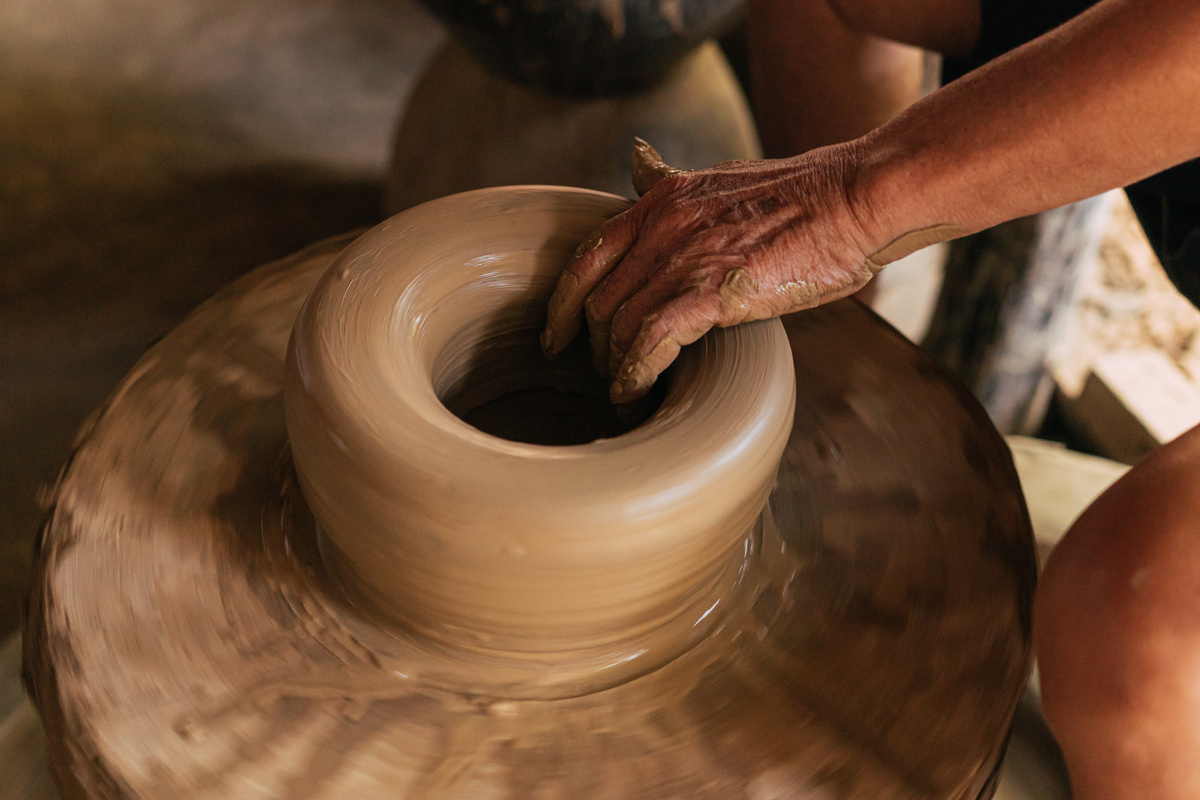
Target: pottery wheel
{"x":185,"y":639}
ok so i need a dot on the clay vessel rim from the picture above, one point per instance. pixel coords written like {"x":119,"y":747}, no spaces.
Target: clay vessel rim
{"x":711,"y":368}
{"x":463,"y":536}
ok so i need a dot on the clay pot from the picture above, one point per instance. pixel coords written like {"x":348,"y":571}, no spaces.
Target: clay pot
{"x":585,"y":46}
{"x":465,"y":128}
{"x":614,"y":549}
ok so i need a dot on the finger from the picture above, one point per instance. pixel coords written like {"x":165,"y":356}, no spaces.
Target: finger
{"x":597,"y":331}
{"x":648,"y":167}
{"x":695,"y":275}
{"x":621,"y":283}
{"x":595,"y":257}
{"x":628,"y":319}
{"x":678,"y":322}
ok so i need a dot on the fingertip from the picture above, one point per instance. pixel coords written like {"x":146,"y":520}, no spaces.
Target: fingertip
{"x":633,"y":376}
{"x":648,"y":167}
{"x":548,"y":344}
{"x":623,"y":392}
{"x":555,"y":338}
{"x":676,"y":323}
{"x":617,"y":393}
{"x":561,"y":324}
{"x":633,"y":380}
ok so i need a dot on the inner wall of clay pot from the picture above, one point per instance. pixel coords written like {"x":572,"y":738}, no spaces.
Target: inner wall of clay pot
{"x":495,"y":378}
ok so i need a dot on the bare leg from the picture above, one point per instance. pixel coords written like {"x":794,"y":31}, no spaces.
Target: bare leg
{"x":1117,"y":633}
{"x":817,"y":82}
{"x":827,"y":71}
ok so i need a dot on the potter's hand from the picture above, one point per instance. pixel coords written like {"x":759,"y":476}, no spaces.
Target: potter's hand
{"x":741,"y":241}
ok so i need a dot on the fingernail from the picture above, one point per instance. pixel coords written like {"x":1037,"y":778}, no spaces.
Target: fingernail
{"x":548,"y":346}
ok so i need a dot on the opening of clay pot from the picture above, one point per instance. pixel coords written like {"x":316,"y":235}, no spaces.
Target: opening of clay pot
{"x":615,"y":550}
{"x":502,"y":384}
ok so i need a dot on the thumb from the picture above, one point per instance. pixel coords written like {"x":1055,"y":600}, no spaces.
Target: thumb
{"x":648,"y":167}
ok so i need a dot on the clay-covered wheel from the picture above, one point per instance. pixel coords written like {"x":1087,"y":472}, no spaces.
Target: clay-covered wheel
{"x":188,"y":637}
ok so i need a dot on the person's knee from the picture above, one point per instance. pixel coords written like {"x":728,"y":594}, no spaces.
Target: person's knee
{"x":945,"y":26}
{"x":1117,"y":632}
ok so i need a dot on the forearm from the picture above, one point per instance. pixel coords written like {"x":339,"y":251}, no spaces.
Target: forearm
{"x":1108,"y":99}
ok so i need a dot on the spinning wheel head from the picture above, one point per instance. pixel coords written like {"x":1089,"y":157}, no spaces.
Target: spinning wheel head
{"x":189,"y":633}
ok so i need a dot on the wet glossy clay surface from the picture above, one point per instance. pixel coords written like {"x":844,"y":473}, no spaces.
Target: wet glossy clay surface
{"x":614,"y":552}
{"x":192,"y":632}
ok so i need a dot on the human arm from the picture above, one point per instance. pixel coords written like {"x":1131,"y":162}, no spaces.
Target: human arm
{"x":1107,"y":99}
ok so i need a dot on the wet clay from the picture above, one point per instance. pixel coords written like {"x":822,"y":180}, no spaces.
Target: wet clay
{"x":193,"y":631}
{"x":648,"y":166}
{"x":909,"y":243}
{"x":616,"y":549}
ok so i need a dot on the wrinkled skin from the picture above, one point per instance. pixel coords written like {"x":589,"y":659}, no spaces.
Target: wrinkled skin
{"x":741,"y":241}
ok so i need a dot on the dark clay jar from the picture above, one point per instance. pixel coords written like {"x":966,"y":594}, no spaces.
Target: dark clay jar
{"x":585,"y":47}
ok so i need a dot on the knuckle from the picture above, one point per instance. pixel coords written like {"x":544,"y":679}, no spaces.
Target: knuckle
{"x":655,"y":327}
{"x":574,"y":276}
{"x":703,"y":278}
{"x":624,"y":315}
{"x":669,"y":184}
{"x":591,"y":307}
{"x":676,"y":180}
{"x":589,"y":244}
